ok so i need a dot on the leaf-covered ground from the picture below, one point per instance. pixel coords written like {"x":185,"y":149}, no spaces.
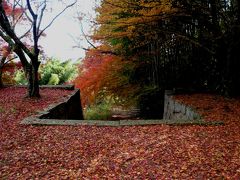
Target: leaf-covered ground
{"x":148,"y":152}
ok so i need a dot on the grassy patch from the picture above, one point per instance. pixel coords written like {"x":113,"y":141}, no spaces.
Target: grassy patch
{"x":98,"y":112}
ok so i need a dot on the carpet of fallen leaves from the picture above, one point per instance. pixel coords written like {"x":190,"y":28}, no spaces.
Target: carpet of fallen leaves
{"x":138,"y":152}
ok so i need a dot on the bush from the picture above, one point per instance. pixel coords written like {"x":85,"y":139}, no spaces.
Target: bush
{"x":20,"y":78}
{"x":54,"y":79}
{"x":7,"y":78}
{"x":54,"y":72}
{"x":98,"y":112}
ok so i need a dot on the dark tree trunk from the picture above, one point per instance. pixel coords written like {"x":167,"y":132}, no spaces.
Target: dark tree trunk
{"x":1,"y":70}
{"x":31,"y":72}
{"x":33,"y":81}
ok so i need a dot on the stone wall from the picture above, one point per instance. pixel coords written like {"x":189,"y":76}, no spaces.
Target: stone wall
{"x":176,"y":111}
{"x":70,"y":108}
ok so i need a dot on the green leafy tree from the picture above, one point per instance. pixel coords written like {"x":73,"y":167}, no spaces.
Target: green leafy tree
{"x":56,"y":72}
{"x":53,"y":72}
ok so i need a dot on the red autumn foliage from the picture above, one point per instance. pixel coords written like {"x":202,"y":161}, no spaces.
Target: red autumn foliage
{"x":9,"y":9}
{"x":5,"y":50}
{"x":104,"y":73}
{"x":138,"y":152}
{"x":6,"y":7}
{"x":93,"y":72}
{"x":12,"y":67}
{"x":6,"y":53}
{"x":9,"y":70}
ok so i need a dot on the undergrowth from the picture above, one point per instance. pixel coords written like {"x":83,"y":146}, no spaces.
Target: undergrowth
{"x":98,"y":112}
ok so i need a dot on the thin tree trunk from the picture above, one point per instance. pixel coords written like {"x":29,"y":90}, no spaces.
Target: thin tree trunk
{"x":1,"y":70}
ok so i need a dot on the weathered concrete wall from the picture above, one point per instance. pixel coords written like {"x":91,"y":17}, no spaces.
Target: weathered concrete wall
{"x":70,"y":108}
{"x":176,"y":111}
{"x":66,"y":87}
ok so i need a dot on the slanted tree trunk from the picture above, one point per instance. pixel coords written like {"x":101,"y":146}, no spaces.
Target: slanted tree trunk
{"x":1,"y":71}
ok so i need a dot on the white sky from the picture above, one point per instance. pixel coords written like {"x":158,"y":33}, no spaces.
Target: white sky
{"x":60,"y":37}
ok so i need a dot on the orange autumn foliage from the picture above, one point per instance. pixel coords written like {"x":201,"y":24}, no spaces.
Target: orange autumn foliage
{"x":131,"y":19}
{"x":92,"y":73}
{"x":102,"y":73}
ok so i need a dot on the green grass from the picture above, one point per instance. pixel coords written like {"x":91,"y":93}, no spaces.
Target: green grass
{"x":98,"y":112}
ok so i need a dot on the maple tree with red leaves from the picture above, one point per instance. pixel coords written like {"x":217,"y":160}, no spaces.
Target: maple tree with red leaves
{"x":92,"y":73}
{"x":103,"y":74}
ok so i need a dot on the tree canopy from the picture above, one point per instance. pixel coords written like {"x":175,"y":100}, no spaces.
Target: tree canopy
{"x":169,"y":44}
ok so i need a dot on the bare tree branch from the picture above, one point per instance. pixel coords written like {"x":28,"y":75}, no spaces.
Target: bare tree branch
{"x":41,"y":16}
{"x":30,"y":9}
{"x":101,"y":51}
{"x":15,"y":57}
{"x":84,"y":35}
{"x":34,"y":24}
{"x":25,"y":34}
{"x":53,"y":20}
{"x":25,"y":12}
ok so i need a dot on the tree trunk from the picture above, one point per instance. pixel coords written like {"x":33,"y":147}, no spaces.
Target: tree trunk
{"x":35,"y":89}
{"x":33,"y":81}
{"x":1,"y":70}
{"x":31,"y":72}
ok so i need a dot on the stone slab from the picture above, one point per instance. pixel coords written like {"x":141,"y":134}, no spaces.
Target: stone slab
{"x":66,"y":87}
{"x":56,"y":122}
